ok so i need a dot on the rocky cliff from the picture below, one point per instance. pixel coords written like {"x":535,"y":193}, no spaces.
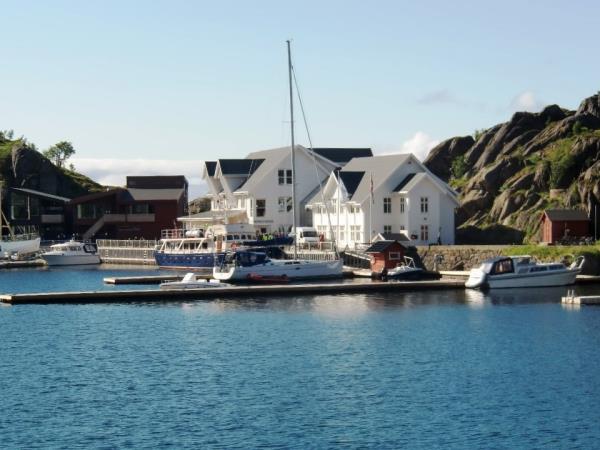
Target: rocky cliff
{"x":22,"y":166}
{"x":508,"y":174}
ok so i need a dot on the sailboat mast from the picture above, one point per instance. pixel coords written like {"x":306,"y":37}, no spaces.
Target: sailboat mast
{"x":293,"y":150}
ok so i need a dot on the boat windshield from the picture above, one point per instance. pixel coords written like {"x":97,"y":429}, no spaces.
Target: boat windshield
{"x":503,"y":266}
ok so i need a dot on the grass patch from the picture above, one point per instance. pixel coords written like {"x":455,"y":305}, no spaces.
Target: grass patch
{"x":553,"y":252}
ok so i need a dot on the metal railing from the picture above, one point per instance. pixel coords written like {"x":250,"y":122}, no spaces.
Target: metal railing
{"x":119,"y":251}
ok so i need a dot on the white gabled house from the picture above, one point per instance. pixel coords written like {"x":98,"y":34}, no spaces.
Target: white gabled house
{"x":258,"y":188}
{"x":385,"y":194}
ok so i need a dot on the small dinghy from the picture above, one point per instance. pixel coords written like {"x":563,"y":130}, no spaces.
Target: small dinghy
{"x":190,"y":281}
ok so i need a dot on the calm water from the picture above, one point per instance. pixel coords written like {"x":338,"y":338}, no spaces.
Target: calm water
{"x":423,"y":370}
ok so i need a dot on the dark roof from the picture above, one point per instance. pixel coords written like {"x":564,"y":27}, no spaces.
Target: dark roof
{"x":239,"y":166}
{"x":351,"y":180}
{"x":157,"y":182}
{"x":380,"y":246}
{"x":210,"y":167}
{"x":342,"y":155}
{"x":404,"y":182}
{"x":40,"y":194}
{"x":400,"y":237}
{"x":566,"y":214}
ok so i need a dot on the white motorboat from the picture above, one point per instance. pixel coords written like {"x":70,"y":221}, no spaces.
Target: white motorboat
{"x":247,"y":265}
{"x":405,"y":270}
{"x":190,"y":281}
{"x":522,"y":271}
{"x":71,"y":253}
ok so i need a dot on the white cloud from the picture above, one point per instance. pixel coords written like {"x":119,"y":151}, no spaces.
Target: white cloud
{"x":526,"y":101}
{"x":419,"y":145}
{"x":114,"y":171}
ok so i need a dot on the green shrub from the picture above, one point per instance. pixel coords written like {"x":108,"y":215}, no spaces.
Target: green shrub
{"x":459,"y":167}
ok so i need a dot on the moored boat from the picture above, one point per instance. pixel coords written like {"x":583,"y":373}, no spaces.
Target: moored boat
{"x":71,"y":253}
{"x":522,"y":271}
{"x":14,"y":243}
{"x":190,"y":281}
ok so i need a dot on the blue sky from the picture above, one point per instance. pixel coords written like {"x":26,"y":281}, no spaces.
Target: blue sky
{"x":163,"y":86}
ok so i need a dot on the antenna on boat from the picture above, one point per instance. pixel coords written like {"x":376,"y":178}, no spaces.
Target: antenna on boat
{"x":289,"y":49}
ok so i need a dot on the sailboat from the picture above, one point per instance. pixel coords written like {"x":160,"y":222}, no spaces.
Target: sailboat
{"x":12,"y":243}
{"x":249,"y":265}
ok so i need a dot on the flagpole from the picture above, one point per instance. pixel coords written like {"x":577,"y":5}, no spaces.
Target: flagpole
{"x":371,"y":210}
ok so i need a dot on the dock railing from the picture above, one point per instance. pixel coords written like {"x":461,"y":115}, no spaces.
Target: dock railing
{"x":120,"y":251}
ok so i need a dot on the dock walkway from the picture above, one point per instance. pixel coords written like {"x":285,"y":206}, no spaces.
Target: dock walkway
{"x":233,"y":291}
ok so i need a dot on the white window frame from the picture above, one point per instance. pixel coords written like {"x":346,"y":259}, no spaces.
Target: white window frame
{"x":387,"y":205}
{"x":395,"y":256}
{"x":402,"y":205}
{"x":264,"y":208}
{"x":424,"y":205}
{"x":424,"y":233}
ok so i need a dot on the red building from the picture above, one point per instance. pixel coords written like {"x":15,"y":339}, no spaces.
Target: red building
{"x":385,"y":254}
{"x":141,"y":210}
{"x":558,"y":224}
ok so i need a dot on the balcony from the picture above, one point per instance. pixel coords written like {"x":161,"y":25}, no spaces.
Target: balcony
{"x":52,"y":218}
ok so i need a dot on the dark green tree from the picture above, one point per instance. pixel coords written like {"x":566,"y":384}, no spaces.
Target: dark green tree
{"x":59,"y":153}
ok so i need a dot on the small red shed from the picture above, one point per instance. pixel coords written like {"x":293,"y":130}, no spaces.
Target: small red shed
{"x":560,"y":223}
{"x":385,"y":254}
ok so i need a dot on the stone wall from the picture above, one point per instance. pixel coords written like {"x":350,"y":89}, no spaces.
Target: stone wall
{"x":458,"y":257}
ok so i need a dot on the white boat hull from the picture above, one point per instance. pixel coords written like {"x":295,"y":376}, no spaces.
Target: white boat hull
{"x":70,"y":260}
{"x":478,"y":278}
{"x":181,"y":286}
{"x":294,"y":270}
{"x":21,"y":247}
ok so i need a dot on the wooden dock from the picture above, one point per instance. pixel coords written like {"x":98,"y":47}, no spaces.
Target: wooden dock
{"x":151,"y":279}
{"x":581,"y":299}
{"x":226,"y":292}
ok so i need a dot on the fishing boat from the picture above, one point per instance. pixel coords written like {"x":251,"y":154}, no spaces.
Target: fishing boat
{"x":249,"y":265}
{"x":239,"y":265}
{"x":13,"y":243}
{"x":71,"y":253}
{"x":190,"y":281}
{"x":522,"y":271}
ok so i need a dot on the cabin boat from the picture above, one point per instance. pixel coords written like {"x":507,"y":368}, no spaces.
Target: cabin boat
{"x":190,"y":281}
{"x":522,"y":271}
{"x":199,"y":248}
{"x":71,"y":253}
{"x":405,"y":270}
{"x":246,"y":264}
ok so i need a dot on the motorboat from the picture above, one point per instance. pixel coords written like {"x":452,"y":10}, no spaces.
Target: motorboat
{"x":522,"y":271}
{"x":71,"y":253}
{"x":405,"y":270}
{"x":196,"y":248}
{"x":190,"y":281}
{"x":242,"y":264}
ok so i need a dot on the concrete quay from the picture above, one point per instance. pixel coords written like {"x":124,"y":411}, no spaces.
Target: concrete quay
{"x":226,"y":292}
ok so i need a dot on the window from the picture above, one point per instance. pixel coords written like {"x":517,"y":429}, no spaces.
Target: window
{"x":261,"y":206}
{"x":284,"y":176}
{"x":387,"y":205}
{"x":424,"y":204}
{"x":354,"y":209}
{"x":355,"y":233}
{"x":395,"y":256}
{"x":424,"y":232}
{"x":402,"y":204}
{"x":284,"y":204}
{"x":387,"y":229}
{"x":140,"y":208}
{"x":402,"y":228}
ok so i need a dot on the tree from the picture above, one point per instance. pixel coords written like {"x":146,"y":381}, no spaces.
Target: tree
{"x":59,"y":153}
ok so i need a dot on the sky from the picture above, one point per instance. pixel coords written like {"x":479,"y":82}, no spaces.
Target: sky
{"x":157,"y":87}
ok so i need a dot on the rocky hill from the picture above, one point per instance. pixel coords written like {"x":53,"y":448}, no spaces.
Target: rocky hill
{"x":23,"y":166}
{"x":508,"y":174}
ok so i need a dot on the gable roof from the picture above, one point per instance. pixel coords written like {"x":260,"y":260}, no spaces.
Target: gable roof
{"x":210,"y":167}
{"x":351,"y":180}
{"x":566,"y":214}
{"x":404,"y":182}
{"x":381,"y":246}
{"x":239,"y":166}
{"x":342,"y":155}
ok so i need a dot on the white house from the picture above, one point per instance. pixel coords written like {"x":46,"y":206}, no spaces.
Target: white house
{"x":258,"y":188}
{"x":385,"y":194}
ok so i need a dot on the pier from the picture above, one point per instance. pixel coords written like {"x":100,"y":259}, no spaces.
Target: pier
{"x":226,"y":292}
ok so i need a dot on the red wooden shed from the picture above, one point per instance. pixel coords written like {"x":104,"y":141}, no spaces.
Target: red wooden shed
{"x":560,"y":223}
{"x":385,"y":254}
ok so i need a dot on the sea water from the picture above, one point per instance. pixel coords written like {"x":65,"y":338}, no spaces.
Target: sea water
{"x":444,"y":369}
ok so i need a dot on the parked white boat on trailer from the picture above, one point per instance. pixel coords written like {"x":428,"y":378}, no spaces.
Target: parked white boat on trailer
{"x":190,"y":281}
{"x":71,"y":253}
{"x":522,"y":271}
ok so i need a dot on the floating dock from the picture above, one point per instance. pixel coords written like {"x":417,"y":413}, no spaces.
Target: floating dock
{"x":21,"y":264}
{"x":581,"y":300}
{"x":226,"y":292}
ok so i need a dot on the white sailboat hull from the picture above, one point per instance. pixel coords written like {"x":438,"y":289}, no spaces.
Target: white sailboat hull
{"x":21,"y":247}
{"x":292,"y":269}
